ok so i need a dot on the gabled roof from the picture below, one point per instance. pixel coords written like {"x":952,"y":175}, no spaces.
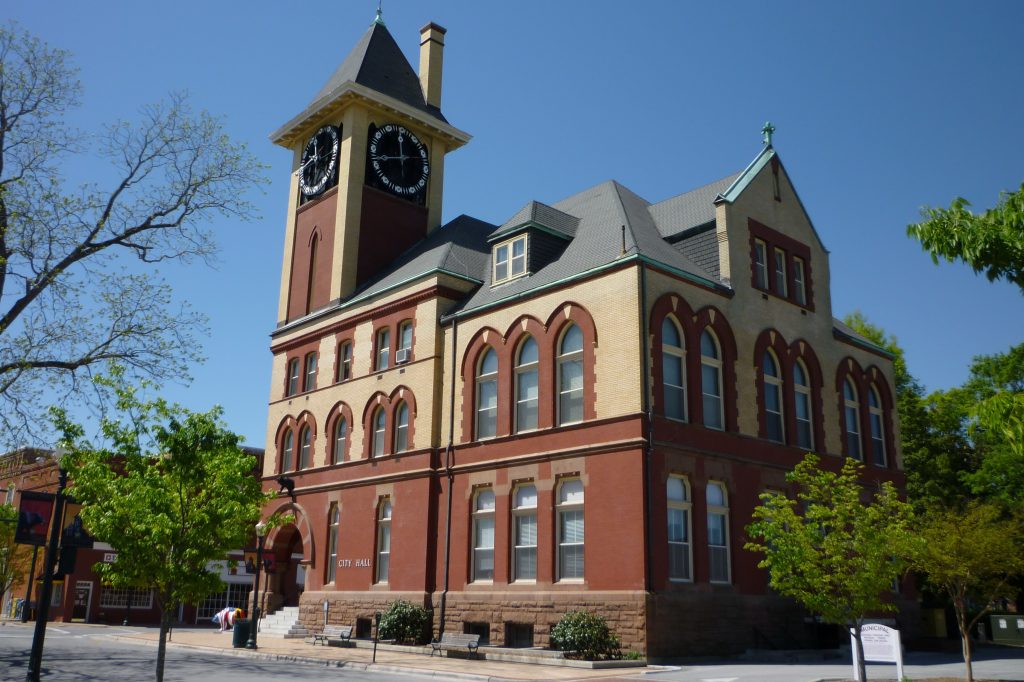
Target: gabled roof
{"x":746,"y":175}
{"x":377,"y":62}
{"x":539,"y":215}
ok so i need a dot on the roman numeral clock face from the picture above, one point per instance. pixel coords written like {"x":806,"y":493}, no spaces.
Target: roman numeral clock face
{"x":319,"y":162}
{"x":397,"y":162}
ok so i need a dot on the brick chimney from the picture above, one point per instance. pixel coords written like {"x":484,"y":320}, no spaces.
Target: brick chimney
{"x":431,"y":59}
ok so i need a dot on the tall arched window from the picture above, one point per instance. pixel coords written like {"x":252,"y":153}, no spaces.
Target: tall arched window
{"x":402,"y":427}
{"x":526,"y":385}
{"x":384,"y":541}
{"x":570,"y":530}
{"x":673,"y":370}
{"x":487,"y":395}
{"x":570,"y":377}
{"x":851,"y":413}
{"x":524,"y":533}
{"x":334,"y":522}
{"x":288,"y":450}
{"x":711,"y":380}
{"x":679,"y":557}
{"x":802,"y":391}
{"x":877,"y":429}
{"x":293,"y":376}
{"x":772,"y":398}
{"x":305,"y":447}
{"x":718,"y":533}
{"x":340,"y":439}
{"x":483,"y":536}
{"x":379,"y":431}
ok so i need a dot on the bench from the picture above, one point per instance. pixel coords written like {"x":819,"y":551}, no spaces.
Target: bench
{"x":333,"y":633}
{"x":456,"y":641}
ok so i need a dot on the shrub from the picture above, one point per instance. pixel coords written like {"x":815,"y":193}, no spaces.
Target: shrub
{"x":581,"y":634}
{"x":405,"y":622}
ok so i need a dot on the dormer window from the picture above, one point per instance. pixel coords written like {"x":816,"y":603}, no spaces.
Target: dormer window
{"x":510,"y":259}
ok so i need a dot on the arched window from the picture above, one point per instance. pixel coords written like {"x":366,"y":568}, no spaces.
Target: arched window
{"x":570,"y":530}
{"x":772,"y":398}
{"x":877,"y":430}
{"x":293,"y":376}
{"x":718,"y":533}
{"x":305,"y":447}
{"x":524,"y":533}
{"x":383,"y":541}
{"x":483,"y":536}
{"x":711,"y":380}
{"x":570,"y":377}
{"x":526,"y":385}
{"x":802,"y":391}
{"x":334,"y":523}
{"x":673,"y":370}
{"x":345,"y":361}
{"x":288,"y":450}
{"x":487,"y":395}
{"x":679,"y":557}
{"x":340,"y":439}
{"x":383,"y":349}
{"x":851,"y":413}
{"x":379,"y":432}
{"x":402,"y":427}
{"x":309,"y":383}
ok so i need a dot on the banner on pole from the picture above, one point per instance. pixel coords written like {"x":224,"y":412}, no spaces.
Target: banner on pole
{"x":34,"y":515}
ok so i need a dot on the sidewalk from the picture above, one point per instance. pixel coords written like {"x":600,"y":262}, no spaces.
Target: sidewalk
{"x":389,"y":659}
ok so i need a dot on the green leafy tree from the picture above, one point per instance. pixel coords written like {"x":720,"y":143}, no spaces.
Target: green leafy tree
{"x":14,"y":558}
{"x":170,"y":490}
{"x":991,"y":242}
{"x":78,"y":282}
{"x":1001,"y":474}
{"x":829,"y":549}
{"x":969,"y":554}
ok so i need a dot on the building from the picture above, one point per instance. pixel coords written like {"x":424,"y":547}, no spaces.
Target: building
{"x":575,"y":408}
{"x":79,"y":594}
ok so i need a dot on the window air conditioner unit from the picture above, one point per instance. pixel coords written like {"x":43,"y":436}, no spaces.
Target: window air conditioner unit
{"x":402,"y":355}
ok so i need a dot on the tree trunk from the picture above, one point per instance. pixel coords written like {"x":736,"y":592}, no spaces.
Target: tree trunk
{"x":960,"y":604}
{"x":161,"y":651}
{"x":861,"y":667}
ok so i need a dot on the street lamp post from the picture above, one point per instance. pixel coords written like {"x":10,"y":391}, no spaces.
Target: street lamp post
{"x":261,"y":537}
{"x":35,"y":661}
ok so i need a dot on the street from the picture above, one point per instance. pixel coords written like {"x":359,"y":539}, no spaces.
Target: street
{"x":82,"y":653}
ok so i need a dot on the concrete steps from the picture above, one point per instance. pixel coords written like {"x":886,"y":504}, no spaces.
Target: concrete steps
{"x":284,"y":623}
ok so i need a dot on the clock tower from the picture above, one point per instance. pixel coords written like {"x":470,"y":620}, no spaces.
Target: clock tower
{"x":368,"y":170}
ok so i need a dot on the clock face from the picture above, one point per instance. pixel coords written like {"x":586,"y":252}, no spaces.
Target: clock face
{"x":319,"y":161}
{"x":398,"y":161}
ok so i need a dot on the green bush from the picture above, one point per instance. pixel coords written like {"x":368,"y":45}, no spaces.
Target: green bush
{"x":405,"y":623}
{"x":581,"y":634}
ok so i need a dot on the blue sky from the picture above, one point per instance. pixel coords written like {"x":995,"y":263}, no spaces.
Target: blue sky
{"x":880,"y":107}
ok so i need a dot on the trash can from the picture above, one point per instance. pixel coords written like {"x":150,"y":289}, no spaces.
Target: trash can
{"x":240,"y":634}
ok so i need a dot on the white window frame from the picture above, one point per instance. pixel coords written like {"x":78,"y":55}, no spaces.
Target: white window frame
{"x":774,"y":384}
{"x":564,"y":359}
{"x":802,"y":391}
{"x":715,"y":511}
{"x":482,"y":516}
{"x":520,"y":512}
{"x":486,"y":414}
{"x":875,"y":417}
{"x":309,"y":377}
{"x":333,"y":531}
{"x":562,"y":508}
{"x":401,"y":437}
{"x":684,"y":507}
{"x":117,"y":598}
{"x":383,"y":558}
{"x":522,"y":369}
{"x":340,"y":438}
{"x":345,"y":361}
{"x":715,"y":363}
{"x":799,"y":282}
{"x":760,"y":264}
{"x":288,"y":451}
{"x":781,"y":285}
{"x":383,"y":350}
{"x":305,"y":448}
{"x":670,"y":351}
{"x":508,"y":265}
{"x":294,"y":370}
{"x":405,"y":337}
{"x":380,"y":421}
{"x":851,"y":415}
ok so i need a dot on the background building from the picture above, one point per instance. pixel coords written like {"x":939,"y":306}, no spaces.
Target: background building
{"x":576,"y":408}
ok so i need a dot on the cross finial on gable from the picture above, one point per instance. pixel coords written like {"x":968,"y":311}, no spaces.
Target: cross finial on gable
{"x":380,"y":15}
{"x":766,"y":133}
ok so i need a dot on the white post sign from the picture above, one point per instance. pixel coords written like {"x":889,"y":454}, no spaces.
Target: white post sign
{"x":881,"y":645}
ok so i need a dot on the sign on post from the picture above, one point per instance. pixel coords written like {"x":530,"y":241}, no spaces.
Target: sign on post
{"x":881,"y":645}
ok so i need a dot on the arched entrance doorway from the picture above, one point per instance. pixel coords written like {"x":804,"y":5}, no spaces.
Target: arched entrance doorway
{"x":289,"y":573}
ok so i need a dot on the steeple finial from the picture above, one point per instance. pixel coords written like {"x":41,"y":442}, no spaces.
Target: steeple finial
{"x":766,"y":133}
{"x":380,"y":15}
